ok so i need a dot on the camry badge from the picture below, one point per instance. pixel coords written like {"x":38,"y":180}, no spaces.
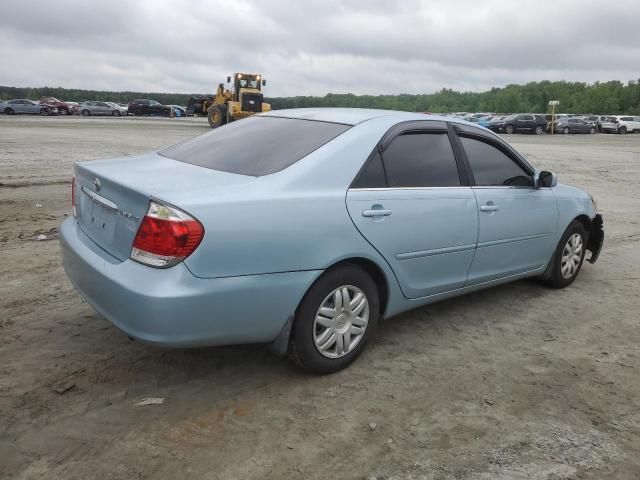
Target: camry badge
{"x":96,"y":184}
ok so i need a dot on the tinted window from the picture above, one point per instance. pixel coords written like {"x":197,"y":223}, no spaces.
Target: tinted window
{"x":373,"y":174}
{"x":491,"y":167}
{"x":255,"y":146}
{"x":421,"y":160}
{"x":627,"y":119}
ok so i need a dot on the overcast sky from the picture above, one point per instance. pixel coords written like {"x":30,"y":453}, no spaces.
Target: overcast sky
{"x":309,"y":47}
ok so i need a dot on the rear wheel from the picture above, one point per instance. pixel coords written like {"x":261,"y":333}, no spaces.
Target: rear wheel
{"x":569,"y":256}
{"x":622,"y":130}
{"x":539,"y":130}
{"x":592,"y":130}
{"x":335,"y":320}
{"x":115,"y":113}
{"x":566,"y":130}
{"x":9,"y":111}
{"x":85,"y":113}
{"x":44,"y":112}
{"x":217,"y":115}
{"x":137,"y":113}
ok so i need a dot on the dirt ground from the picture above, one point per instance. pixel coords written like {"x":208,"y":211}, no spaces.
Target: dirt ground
{"x":514,"y":382}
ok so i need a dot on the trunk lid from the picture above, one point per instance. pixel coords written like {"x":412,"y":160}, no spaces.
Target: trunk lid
{"x":112,"y":196}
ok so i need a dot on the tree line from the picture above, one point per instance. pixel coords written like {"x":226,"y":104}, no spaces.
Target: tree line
{"x":612,"y":97}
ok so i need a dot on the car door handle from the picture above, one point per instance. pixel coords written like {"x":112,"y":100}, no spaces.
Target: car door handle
{"x":376,"y":213}
{"x":489,"y":208}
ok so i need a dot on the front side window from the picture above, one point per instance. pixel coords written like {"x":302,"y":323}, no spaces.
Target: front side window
{"x":492,"y":167}
{"x":421,"y":160}
{"x":255,"y":146}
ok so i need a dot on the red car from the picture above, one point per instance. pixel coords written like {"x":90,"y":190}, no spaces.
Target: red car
{"x":64,"y":108}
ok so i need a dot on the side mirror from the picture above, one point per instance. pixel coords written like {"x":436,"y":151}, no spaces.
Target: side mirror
{"x":264,"y":82}
{"x":228,"y":79}
{"x":546,"y":180}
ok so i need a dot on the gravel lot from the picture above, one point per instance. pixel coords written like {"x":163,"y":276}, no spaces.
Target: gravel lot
{"x":519,"y":381}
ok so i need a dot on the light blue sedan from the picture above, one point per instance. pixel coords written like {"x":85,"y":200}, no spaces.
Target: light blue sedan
{"x":303,"y":228}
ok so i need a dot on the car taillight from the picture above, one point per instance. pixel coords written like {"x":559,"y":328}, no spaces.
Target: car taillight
{"x":166,"y":236}
{"x":73,"y":195}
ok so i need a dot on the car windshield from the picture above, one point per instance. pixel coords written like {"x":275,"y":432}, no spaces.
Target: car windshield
{"x":255,"y":146}
{"x":153,"y":102}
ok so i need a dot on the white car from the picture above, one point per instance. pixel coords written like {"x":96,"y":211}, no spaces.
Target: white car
{"x":622,"y":124}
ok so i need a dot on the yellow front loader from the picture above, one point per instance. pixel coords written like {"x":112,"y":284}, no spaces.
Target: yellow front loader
{"x":244,"y":100}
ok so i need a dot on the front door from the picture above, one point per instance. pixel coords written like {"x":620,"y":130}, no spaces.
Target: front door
{"x":410,"y":204}
{"x":517,"y":222}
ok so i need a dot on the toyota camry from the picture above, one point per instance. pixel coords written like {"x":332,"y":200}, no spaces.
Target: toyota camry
{"x":303,"y":228}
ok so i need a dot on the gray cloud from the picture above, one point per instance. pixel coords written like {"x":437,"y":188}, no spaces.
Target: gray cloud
{"x":314,"y":47}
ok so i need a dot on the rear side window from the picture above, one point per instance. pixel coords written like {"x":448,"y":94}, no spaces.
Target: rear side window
{"x":492,"y":167}
{"x":373,"y":174}
{"x":255,"y":146}
{"x":421,"y":160}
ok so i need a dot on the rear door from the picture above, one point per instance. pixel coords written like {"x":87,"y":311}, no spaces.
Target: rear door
{"x":517,"y":222}
{"x":525,"y":123}
{"x":411,"y":203}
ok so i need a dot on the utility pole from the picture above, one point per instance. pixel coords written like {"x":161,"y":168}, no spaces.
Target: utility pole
{"x":553,"y":104}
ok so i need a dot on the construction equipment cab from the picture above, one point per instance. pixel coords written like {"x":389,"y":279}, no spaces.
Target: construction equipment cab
{"x":244,"y":100}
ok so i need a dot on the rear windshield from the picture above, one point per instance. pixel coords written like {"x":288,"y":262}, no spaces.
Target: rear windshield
{"x":255,"y":146}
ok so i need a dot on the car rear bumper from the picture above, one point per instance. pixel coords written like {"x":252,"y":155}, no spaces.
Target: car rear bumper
{"x":172,"y":307}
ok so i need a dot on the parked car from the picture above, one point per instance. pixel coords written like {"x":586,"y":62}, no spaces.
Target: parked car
{"x":302,"y":228}
{"x":148,"y":107}
{"x":64,"y":108}
{"x":621,"y":124}
{"x":573,"y":125}
{"x":179,"y":110}
{"x":101,"y":108}
{"x":22,"y":105}
{"x":521,"y":123}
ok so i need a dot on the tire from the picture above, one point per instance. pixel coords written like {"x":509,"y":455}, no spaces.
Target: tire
{"x":592,"y":130}
{"x":566,"y":130}
{"x":44,"y":112}
{"x":63,"y":111}
{"x":556,"y":277}
{"x":85,"y":113}
{"x":539,"y":130}
{"x":217,"y":115}
{"x":509,"y":129}
{"x":622,"y":130}
{"x":137,"y":113}
{"x":166,"y":113}
{"x":9,"y":111}
{"x":115,"y":113}
{"x":307,"y":331}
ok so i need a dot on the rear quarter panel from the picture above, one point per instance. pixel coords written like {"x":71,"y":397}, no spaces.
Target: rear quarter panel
{"x":292,"y":220}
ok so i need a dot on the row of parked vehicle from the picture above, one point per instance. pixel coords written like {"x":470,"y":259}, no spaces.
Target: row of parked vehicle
{"x":53,"y":106}
{"x":560,"y":123}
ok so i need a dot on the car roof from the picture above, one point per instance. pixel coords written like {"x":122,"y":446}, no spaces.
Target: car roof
{"x":354,"y":116}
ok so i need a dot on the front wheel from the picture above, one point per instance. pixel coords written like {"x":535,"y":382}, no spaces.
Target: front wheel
{"x":44,"y":112}
{"x":217,"y":115}
{"x":9,"y":111}
{"x":85,"y":113}
{"x":569,"y":256}
{"x":623,"y":130}
{"x":335,"y":320}
{"x":115,"y":113}
{"x":539,"y":130}
{"x":566,"y":130}
{"x":592,"y":130}
{"x":509,"y":129}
